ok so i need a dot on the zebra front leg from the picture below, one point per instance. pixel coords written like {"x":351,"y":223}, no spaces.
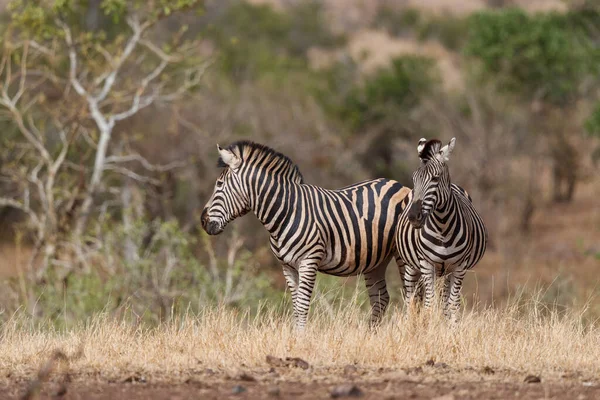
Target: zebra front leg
{"x":378,"y":294}
{"x":291,"y":278}
{"x":411,"y":280}
{"x":452,"y":288}
{"x":307,"y":274}
{"x":428,"y":275}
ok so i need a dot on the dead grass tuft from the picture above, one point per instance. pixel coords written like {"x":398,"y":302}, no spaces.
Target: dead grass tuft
{"x":58,"y":360}
{"x":519,"y":337}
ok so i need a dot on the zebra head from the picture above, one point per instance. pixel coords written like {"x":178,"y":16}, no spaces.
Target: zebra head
{"x":431,"y":182}
{"x":230,"y":198}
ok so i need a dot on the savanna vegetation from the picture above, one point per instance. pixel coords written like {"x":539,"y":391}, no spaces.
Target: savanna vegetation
{"x":110,"y":115}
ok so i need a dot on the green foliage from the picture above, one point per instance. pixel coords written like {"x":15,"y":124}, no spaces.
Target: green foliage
{"x":163,"y":280}
{"x":390,"y":90}
{"x":39,"y":19}
{"x":448,"y":30}
{"x":544,"y":55}
{"x":592,"y":124}
{"x":255,"y":40}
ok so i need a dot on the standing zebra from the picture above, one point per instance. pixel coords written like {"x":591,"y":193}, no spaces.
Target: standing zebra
{"x":440,"y":234}
{"x":342,"y":232}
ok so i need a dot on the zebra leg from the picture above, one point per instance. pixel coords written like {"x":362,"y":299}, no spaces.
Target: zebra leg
{"x":454,"y":284}
{"x":378,"y":294}
{"x":291,"y":278}
{"x":411,"y":280}
{"x":307,"y":274}
{"x":428,"y":275}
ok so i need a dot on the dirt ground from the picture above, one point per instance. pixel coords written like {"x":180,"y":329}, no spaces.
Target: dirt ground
{"x":427,"y":382}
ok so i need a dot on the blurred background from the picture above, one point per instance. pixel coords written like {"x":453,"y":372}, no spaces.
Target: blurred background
{"x":110,"y":112}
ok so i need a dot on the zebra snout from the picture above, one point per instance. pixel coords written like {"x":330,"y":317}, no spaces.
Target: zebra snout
{"x":204,"y":218}
{"x":211,"y":227}
{"x":415,"y":214}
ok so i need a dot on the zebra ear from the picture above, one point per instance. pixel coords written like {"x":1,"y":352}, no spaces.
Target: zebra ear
{"x":447,"y":150}
{"x":229,"y":157}
{"x":421,"y":146}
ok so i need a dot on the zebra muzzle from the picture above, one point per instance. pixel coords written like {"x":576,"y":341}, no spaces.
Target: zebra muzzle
{"x":211,"y":227}
{"x":416,"y":216}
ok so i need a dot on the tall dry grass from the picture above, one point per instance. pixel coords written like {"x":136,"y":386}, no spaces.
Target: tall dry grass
{"x":522,"y":336}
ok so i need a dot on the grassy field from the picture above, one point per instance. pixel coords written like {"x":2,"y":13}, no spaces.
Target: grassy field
{"x":509,"y":332}
{"x":222,"y":351}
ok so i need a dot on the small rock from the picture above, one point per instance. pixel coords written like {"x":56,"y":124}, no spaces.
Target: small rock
{"x":441,"y":365}
{"x":297,"y":362}
{"x":488,"y":370}
{"x":209,"y":371}
{"x":273,"y":391}
{"x":588,"y":384}
{"x":416,"y":370}
{"x":275,"y":361}
{"x":346,"y":390}
{"x":135,"y":378}
{"x":288,"y":362}
{"x":243,"y":376}
{"x":350,"y":369}
{"x":237,"y":389}
{"x":532,"y":379}
{"x":430,"y":362}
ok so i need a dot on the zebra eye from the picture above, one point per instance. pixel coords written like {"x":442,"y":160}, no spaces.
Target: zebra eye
{"x":219,"y":184}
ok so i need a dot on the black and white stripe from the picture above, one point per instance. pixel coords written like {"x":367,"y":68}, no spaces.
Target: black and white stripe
{"x":440,"y":233}
{"x":340,"y":232}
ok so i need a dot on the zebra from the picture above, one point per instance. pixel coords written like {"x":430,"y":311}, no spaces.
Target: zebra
{"x":343,"y":232}
{"x":440,"y":233}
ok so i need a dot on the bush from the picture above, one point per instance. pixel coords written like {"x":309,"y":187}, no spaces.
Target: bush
{"x":254,"y":40}
{"x":390,"y":90}
{"x":449,"y":30}
{"x":151,"y":271}
{"x":545,"y":56}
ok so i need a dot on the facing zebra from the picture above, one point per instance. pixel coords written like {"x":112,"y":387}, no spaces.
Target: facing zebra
{"x":440,"y":233}
{"x":340,"y":232}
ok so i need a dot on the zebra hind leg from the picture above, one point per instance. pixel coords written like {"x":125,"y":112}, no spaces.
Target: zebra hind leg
{"x":291,"y":278}
{"x":378,"y":294}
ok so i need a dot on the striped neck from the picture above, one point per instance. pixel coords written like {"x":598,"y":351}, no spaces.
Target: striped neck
{"x":273,"y":200}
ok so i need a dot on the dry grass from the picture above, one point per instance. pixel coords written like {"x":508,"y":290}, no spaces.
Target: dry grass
{"x":515,"y":338}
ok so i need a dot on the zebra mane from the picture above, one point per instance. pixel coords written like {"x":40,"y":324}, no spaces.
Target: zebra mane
{"x":428,"y":150}
{"x":250,"y":151}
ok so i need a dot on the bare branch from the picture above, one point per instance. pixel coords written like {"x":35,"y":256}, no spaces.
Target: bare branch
{"x":138,"y":104}
{"x":23,"y":75}
{"x":145,"y":163}
{"x":73,"y":61}
{"x":138,"y":101}
{"x":193,"y":78}
{"x":134,"y":24}
{"x":6,"y":202}
{"x":133,"y":175}
{"x":161,"y":54}
{"x":26,"y":132}
{"x":42,"y":49}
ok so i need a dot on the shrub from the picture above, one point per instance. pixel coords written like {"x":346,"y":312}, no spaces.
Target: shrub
{"x":545,"y":56}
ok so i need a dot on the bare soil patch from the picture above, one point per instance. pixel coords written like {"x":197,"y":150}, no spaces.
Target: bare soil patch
{"x":424,"y":382}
